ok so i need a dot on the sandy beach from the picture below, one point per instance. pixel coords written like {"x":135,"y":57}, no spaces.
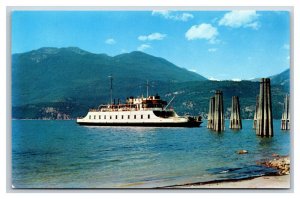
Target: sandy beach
{"x":280,"y":181}
{"x":263,"y":182}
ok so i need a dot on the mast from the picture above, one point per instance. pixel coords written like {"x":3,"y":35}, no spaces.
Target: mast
{"x":111,"y":88}
{"x":169,"y":103}
{"x":147,"y":88}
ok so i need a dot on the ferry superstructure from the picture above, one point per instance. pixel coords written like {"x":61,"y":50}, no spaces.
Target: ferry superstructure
{"x":143,"y":111}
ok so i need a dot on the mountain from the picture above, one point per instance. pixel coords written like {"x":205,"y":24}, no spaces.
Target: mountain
{"x":55,"y":74}
{"x":282,"y":78}
{"x":62,"y":83}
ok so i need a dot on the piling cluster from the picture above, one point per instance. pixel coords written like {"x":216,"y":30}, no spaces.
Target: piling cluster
{"x":211,"y":111}
{"x":219,"y":112}
{"x":216,"y":112}
{"x":235,"y":118}
{"x":264,"y":119}
{"x":255,"y":114}
{"x":285,"y":120}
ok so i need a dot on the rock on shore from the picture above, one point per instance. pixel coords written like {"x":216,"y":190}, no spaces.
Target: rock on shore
{"x":282,"y":164}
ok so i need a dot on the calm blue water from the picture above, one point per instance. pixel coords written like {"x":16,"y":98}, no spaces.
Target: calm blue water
{"x":61,"y":154}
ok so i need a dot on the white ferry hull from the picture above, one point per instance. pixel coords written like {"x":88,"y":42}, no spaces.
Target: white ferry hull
{"x":146,"y":124}
{"x":135,"y":118}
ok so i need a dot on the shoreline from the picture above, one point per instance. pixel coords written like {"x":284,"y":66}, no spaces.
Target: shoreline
{"x":259,"y":182}
{"x":279,"y":180}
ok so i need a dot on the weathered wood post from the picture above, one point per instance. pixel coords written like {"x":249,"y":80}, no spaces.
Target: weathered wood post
{"x":235,"y":118}
{"x":255,"y":113}
{"x":264,"y":125}
{"x":211,"y":111}
{"x":219,"y":112}
{"x":285,"y":120}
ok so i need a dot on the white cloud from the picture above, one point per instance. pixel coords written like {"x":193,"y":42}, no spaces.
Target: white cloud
{"x":202,"y":31}
{"x":236,"y":79}
{"x":213,"y":79}
{"x":153,"y":36}
{"x":143,"y":47}
{"x":164,"y":13}
{"x":240,"y":18}
{"x":193,"y":70}
{"x":110,"y":41}
{"x":286,"y":46}
{"x":173,"y":16}
{"x":254,"y":25}
{"x":186,"y":17}
{"x":211,"y":50}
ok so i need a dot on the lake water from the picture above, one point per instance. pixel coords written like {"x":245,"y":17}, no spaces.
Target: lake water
{"x":61,"y":154}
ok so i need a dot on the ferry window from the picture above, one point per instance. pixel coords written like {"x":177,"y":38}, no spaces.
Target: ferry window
{"x":94,"y":116}
{"x":122,"y":116}
{"x":99,"y":117}
{"x":148,"y":116}
{"x":134,"y":116}
{"x":105,"y":117}
{"x":128,"y":116}
{"x":109,"y":117}
{"x":90,"y":117}
{"x":141,"y":116}
{"x":116,"y":117}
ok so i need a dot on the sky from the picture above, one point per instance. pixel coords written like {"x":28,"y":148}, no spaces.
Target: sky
{"x":219,"y":45}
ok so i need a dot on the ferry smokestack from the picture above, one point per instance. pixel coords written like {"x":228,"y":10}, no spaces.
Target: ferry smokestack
{"x":111,"y":87}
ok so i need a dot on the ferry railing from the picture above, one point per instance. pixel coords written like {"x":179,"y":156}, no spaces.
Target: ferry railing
{"x":124,"y":109}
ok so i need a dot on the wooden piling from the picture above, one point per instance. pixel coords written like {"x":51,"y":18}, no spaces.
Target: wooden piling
{"x":264,"y":125}
{"x":285,"y":120}
{"x":219,"y":112}
{"x":235,"y":118}
{"x":255,"y":114}
{"x":211,"y":111}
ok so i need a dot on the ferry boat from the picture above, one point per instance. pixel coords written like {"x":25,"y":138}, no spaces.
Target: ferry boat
{"x":143,"y":111}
